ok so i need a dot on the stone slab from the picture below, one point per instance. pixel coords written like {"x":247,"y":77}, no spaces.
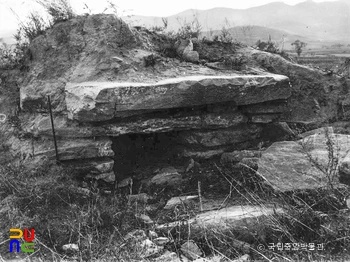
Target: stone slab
{"x":75,"y":149}
{"x":294,"y":165}
{"x":101,"y":101}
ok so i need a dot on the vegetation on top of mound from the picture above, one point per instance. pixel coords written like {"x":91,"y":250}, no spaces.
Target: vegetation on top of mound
{"x":35,"y":25}
{"x":59,"y":10}
{"x":272,"y":47}
{"x":11,"y":58}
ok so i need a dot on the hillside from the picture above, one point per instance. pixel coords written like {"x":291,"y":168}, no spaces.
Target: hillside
{"x":323,"y":21}
{"x":328,"y":22}
{"x":251,"y":34}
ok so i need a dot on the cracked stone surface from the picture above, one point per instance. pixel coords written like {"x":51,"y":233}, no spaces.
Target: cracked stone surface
{"x":101,"y":101}
{"x":293,"y":165}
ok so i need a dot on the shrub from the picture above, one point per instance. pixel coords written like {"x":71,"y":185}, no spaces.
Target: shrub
{"x":14,"y":56}
{"x":7,"y":58}
{"x":59,"y":10}
{"x":268,"y":46}
{"x":11,"y":57}
{"x":189,"y":30}
{"x":224,"y":36}
{"x":160,"y":28}
{"x":34,"y":26}
{"x":171,"y":39}
{"x":150,"y":60}
{"x":331,"y":167}
{"x":272,"y":47}
{"x":234,"y":62}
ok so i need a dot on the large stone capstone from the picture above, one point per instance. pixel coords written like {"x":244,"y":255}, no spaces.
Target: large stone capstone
{"x":101,"y":101}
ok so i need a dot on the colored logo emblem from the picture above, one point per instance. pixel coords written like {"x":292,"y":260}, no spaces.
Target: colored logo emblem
{"x":28,"y":246}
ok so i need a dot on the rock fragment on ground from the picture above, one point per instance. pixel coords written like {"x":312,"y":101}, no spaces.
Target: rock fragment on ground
{"x":145,"y":219}
{"x":148,"y":248}
{"x":243,"y":258}
{"x":138,"y":235}
{"x":70,"y":248}
{"x":191,"y":250}
{"x":211,"y":259}
{"x":152,"y":234}
{"x":168,"y":257}
{"x":191,"y":56}
{"x":226,"y":217}
{"x":168,"y":175}
{"x":161,"y":241}
{"x":174,"y":201}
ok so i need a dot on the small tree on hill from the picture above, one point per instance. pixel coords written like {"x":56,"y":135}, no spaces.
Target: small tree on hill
{"x":299,"y":45}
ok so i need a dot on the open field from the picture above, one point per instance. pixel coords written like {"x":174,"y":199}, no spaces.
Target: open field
{"x":325,"y":62}
{"x":327,"y":59}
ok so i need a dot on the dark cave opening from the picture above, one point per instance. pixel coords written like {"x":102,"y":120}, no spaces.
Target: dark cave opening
{"x":141,"y":153}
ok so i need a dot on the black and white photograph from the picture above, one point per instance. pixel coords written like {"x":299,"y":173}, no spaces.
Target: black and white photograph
{"x":160,"y":131}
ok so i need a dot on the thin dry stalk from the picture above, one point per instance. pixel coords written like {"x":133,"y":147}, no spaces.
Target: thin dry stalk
{"x":200,"y":196}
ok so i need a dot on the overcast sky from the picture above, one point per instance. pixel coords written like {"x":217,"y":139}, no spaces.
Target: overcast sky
{"x":8,"y":20}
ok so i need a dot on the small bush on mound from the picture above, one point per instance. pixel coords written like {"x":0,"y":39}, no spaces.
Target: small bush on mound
{"x":272,"y":47}
{"x":268,"y":46}
{"x":12,"y":57}
{"x":34,"y":26}
{"x":234,"y":62}
{"x":151,"y":60}
{"x":189,"y":30}
{"x":224,"y":36}
{"x":160,"y":29}
{"x":59,"y":10}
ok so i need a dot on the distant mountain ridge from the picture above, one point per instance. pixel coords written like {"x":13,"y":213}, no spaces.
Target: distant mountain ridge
{"x":319,"y":21}
{"x":251,"y":34}
{"x":307,"y":21}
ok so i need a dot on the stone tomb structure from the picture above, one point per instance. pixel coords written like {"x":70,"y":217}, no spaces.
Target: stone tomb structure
{"x":112,"y":128}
